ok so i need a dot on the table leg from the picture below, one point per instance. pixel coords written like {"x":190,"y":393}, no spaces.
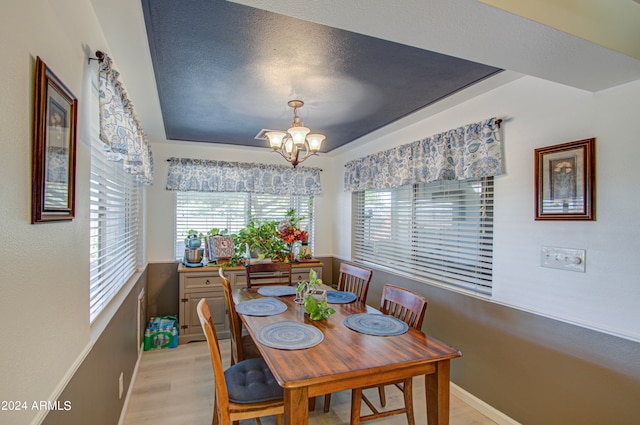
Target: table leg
{"x":437,"y":394}
{"x":296,"y":406}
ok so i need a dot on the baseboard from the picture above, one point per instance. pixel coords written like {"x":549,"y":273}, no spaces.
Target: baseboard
{"x":125,"y":405}
{"x":482,"y":407}
{"x":42,"y":414}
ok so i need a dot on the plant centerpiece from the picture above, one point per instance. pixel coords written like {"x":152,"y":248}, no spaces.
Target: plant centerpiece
{"x":290,"y":233}
{"x":260,"y":239}
{"x":314,"y":299}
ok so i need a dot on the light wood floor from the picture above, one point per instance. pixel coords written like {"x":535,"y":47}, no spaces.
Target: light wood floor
{"x":175,"y":387}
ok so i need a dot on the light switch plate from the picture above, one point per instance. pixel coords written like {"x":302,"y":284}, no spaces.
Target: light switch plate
{"x":563,"y":258}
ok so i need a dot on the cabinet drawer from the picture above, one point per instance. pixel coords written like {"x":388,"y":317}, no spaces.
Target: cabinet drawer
{"x":302,"y":274}
{"x":298,"y":276}
{"x":202,"y":282}
{"x":239,"y":280}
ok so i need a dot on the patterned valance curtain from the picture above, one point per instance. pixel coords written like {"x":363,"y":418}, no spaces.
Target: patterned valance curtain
{"x":466,"y":152}
{"x":220,"y":176}
{"x":123,"y":137}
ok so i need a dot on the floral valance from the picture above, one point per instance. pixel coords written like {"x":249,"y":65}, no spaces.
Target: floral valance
{"x":220,"y":176}
{"x":466,"y":152}
{"x":123,"y":137}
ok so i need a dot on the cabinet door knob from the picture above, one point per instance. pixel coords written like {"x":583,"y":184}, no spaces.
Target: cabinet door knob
{"x":207,"y":282}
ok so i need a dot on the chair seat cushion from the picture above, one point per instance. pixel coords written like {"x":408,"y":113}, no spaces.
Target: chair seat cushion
{"x":251,"y":381}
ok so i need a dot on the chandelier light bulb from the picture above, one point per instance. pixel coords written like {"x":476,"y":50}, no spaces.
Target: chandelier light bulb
{"x":288,"y":146}
{"x":298,"y":134}
{"x":275,"y":138}
{"x":315,"y":142}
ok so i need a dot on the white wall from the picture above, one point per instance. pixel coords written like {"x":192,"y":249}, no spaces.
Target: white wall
{"x":538,"y":113}
{"x":44,"y":286}
{"x":161,"y":202}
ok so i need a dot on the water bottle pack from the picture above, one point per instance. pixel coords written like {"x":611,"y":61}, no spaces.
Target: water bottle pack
{"x":161,"y":332}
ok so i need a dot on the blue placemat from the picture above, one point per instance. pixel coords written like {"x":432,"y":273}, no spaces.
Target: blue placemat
{"x":261,"y":307}
{"x":376,"y":324}
{"x":340,"y":297}
{"x":289,"y":335}
{"x":277,"y":291}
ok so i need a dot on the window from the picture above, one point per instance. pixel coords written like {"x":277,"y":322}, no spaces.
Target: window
{"x":441,"y":231}
{"x":115,"y":229}
{"x":203,"y":211}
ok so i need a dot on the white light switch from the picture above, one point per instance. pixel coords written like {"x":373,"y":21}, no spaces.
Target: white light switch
{"x":563,"y":258}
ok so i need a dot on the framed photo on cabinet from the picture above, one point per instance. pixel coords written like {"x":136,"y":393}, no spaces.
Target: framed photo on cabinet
{"x":565,"y":181}
{"x":54,"y":148}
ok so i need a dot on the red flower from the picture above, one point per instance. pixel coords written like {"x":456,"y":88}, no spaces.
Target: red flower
{"x":290,"y":234}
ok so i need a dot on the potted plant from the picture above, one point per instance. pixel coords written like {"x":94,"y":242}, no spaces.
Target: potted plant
{"x":259,"y":239}
{"x":290,"y":233}
{"x":314,"y":299}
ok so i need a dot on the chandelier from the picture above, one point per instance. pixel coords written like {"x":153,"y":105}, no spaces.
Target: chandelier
{"x":297,"y":138}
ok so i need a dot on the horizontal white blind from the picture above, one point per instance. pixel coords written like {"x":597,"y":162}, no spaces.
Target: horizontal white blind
{"x":203,"y":211}
{"x":114,"y":228}
{"x":441,"y":231}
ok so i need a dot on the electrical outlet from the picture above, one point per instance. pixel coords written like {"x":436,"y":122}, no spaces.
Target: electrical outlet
{"x":120,"y":385}
{"x":563,"y":258}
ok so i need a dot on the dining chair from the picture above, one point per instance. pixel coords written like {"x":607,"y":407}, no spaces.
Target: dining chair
{"x":246,"y":390}
{"x":410,"y":308}
{"x":262,"y":274}
{"x":242,"y":346}
{"x":352,"y":279}
{"x":355,"y":279}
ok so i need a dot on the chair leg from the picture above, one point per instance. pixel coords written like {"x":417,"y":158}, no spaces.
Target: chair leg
{"x":279,"y":420}
{"x":312,"y":404}
{"x":383,"y":397}
{"x":356,"y":401}
{"x":327,"y":402}
{"x":408,"y":400}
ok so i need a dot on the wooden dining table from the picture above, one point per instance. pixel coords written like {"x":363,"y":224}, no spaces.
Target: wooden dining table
{"x":347,"y":359}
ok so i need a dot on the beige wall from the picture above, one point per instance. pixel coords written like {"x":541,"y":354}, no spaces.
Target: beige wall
{"x":45,"y":274}
{"x":538,"y":113}
{"x":161,"y":219}
{"x":45,"y":268}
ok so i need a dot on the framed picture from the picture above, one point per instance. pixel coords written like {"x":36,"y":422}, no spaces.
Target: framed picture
{"x":565,"y":181}
{"x":54,"y":148}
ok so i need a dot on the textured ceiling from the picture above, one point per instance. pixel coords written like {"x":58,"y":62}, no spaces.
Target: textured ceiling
{"x":225,"y":71}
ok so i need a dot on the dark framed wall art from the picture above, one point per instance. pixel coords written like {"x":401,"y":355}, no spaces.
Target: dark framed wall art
{"x":565,"y":181}
{"x":54,"y":148}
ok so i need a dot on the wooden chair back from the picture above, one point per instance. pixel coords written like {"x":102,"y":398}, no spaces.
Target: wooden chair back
{"x":262,"y":274}
{"x":410,"y":308}
{"x":355,"y":279}
{"x":224,"y":410}
{"x":221,"y":395}
{"x":404,"y":305}
{"x":235,"y":325}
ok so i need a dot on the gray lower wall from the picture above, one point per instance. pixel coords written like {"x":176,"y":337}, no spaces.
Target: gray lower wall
{"x":93,"y":389}
{"x":534,"y":369}
{"x":163,"y":287}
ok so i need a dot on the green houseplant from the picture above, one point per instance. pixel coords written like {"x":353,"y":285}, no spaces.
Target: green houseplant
{"x":315,"y":301}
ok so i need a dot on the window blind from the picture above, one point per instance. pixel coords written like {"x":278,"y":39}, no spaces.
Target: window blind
{"x":114,"y":228}
{"x":441,"y":231}
{"x":203,"y":211}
